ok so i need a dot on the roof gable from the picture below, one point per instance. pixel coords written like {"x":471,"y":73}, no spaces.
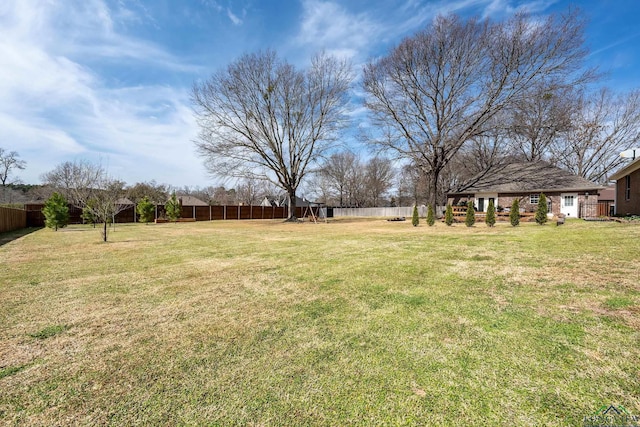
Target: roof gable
{"x":191,"y":201}
{"x":626,"y":170}
{"x":528,"y":177}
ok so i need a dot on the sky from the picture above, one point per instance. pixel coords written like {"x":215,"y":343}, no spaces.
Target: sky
{"x":109,"y":81}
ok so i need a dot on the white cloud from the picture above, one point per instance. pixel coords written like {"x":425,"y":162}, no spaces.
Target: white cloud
{"x":55,"y":106}
{"x":328,"y":26}
{"x":233,"y":18}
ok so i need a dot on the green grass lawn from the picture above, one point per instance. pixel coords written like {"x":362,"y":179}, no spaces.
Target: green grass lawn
{"x":371,"y":322}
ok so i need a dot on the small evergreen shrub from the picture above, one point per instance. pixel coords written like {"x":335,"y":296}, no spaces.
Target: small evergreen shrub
{"x":415,"y":220}
{"x":56,"y":212}
{"x":172,"y":208}
{"x":431,"y":217}
{"x":470,"y":219}
{"x":490,"y":219}
{"x":145,"y":209}
{"x":541,"y":212}
{"x":448,"y":215}
{"x":514,"y":214}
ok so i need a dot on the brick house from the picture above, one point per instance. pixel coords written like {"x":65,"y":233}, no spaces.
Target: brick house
{"x":628,"y":189}
{"x":565,"y":192}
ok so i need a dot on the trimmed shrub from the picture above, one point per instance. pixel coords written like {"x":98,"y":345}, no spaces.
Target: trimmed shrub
{"x":514,"y":214}
{"x":431,"y":217}
{"x":448,"y":215}
{"x":470,"y":219}
{"x":490,"y":219}
{"x":541,"y":212}
{"x":415,"y":220}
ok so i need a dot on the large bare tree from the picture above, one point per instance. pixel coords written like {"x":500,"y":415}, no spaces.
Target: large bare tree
{"x":9,"y":160}
{"x":441,"y":87}
{"x":603,"y":125}
{"x":536,"y":121}
{"x":263,"y":118}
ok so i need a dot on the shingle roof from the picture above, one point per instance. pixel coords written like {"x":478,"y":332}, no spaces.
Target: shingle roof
{"x":626,"y":170}
{"x":191,"y":201}
{"x":527,"y":177}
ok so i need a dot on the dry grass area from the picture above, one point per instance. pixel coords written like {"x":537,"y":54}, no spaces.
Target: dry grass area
{"x":351,"y":322}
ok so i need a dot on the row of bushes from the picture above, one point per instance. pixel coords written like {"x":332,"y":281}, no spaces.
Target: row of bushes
{"x":490,"y":218}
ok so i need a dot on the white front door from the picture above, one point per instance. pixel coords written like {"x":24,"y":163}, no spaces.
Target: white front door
{"x":569,"y":204}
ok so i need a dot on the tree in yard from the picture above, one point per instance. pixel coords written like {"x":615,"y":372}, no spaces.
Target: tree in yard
{"x":470,"y":217}
{"x":602,"y":126}
{"x":108,"y":203}
{"x":9,"y":160}
{"x":378,"y":177}
{"x":88,"y":213}
{"x":431,"y":218}
{"x":538,"y":120}
{"x":542,"y":210}
{"x":90,"y":188}
{"x":262,"y":118}
{"x":56,"y":212}
{"x":172,"y":208}
{"x":146,"y":210}
{"x":448,"y":215}
{"x":490,"y":219}
{"x":443,"y":87}
{"x":156,"y":193}
{"x":415,"y":219}
{"x":338,"y":170}
{"x":514,"y":213}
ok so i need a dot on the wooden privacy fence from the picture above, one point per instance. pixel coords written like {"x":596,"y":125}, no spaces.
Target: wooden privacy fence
{"x":35,"y":218}
{"x":12,"y":219}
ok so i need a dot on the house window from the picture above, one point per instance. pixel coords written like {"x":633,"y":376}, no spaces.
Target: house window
{"x":568,"y":201}
{"x":627,"y":187}
{"x":534,"y":198}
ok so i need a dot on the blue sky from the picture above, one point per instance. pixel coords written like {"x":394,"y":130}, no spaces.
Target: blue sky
{"x":109,"y":80}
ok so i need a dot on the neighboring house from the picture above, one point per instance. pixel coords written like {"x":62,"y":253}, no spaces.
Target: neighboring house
{"x":189,"y":205}
{"x":565,"y":192}
{"x":300,"y":202}
{"x":628,"y":189}
{"x":191,"y":201}
{"x":270,"y":201}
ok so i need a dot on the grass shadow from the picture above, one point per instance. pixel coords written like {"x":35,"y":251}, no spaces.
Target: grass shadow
{"x":10,"y":236}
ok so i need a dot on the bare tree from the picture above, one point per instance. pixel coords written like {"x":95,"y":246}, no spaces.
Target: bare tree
{"x":338,"y":171}
{"x":441,"y":88}
{"x":379,"y":176}
{"x":538,"y":119}
{"x":9,"y":160}
{"x":88,"y":186}
{"x":603,"y":125}
{"x":75,"y":180}
{"x":157,"y":193}
{"x":249,"y":192}
{"x":261,"y":118}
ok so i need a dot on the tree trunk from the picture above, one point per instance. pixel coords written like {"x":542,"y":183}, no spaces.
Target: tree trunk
{"x":291,"y":214}
{"x":104,"y":232}
{"x":433,"y":188}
